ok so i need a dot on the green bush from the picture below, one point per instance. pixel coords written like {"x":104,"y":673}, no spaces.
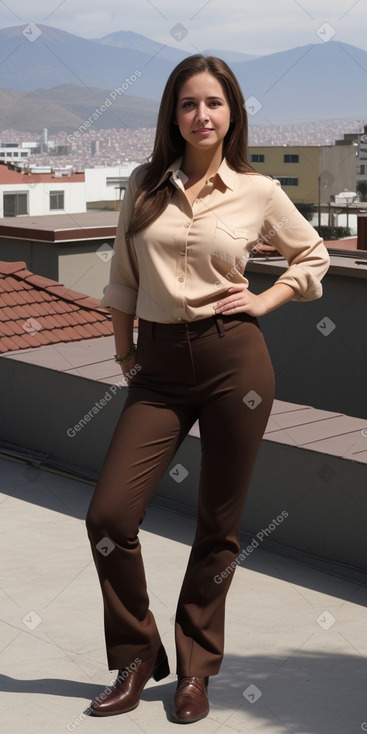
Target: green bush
{"x":333,"y":233}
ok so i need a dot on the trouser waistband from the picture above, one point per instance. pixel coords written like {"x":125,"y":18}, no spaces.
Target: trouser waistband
{"x":218,"y":323}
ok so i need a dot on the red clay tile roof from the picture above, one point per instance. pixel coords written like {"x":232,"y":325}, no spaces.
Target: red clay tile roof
{"x":9,"y":176}
{"x":35,"y":310}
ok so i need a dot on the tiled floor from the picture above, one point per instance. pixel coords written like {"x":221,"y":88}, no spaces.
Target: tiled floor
{"x":296,"y":641}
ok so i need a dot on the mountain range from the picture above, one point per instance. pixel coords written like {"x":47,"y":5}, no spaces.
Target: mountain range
{"x":67,"y":106}
{"x":50,"y":78}
{"x":130,"y":40}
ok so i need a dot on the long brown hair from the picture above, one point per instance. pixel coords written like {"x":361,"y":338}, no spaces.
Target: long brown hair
{"x":169,"y":144}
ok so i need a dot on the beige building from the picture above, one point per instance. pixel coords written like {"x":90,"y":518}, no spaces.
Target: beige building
{"x":309,"y":174}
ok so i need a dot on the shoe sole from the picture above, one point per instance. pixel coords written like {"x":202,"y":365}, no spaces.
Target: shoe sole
{"x":112,"y":713}
{"x":160,"y":671}
{"x":192,"y":720}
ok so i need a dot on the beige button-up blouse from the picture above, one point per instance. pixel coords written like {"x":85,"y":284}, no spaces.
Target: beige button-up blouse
{"x":181,"y":265}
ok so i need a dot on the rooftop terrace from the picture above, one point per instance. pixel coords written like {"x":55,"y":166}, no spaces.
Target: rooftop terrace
{"x":296,"y":612}
{"x":296,"y":648}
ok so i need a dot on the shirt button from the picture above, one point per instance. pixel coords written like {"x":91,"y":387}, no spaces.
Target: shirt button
{"x":182,"y":252}
{"x":187,"y":224}
{"x":181,"y":280}
{"x":179,"y":318}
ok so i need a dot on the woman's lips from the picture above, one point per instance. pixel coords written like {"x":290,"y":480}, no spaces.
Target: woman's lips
{"x":203,"y":131}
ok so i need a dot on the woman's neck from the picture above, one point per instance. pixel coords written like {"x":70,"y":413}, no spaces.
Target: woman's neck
{"x":201,"y":164}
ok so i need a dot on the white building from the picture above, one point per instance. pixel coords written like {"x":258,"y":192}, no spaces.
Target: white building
{"x":43,"y":191}
{"x":17,"y":152}
{"x":359,"y":141}
{"x":36,"y":194}
{"x":107,"y":183}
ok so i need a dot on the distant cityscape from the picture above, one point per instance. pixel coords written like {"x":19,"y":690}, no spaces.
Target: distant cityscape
{"x":112,"y":147}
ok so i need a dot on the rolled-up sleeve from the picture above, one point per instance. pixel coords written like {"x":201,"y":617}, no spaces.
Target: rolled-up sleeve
{"x":286,"y":229}
{"x":122,"y":289}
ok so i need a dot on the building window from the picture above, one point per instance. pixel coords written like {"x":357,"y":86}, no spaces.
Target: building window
{"x":362,"y":170}
{"x":291,"y":158}
{"x":257,"y":158}
{"x":56,"y":200}
{"x":287,"y":180}
{"x":15,"y":205}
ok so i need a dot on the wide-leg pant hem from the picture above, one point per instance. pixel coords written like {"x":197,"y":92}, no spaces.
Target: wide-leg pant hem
{"x":120,"y":657}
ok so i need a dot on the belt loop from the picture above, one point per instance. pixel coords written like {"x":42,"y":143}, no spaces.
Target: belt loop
{"x":219,"y":325}
{"x":153,"y":331}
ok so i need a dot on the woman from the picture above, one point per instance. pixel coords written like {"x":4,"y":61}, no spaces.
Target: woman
{"x":188,"y":222}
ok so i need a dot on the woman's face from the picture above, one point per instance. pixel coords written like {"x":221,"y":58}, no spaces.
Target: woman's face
{"x":203,"y":114}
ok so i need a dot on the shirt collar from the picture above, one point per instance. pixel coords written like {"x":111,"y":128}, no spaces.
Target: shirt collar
{"x":228,"y":175}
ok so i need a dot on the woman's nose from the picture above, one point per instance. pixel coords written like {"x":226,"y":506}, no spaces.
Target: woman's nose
{"x":202,"y":113}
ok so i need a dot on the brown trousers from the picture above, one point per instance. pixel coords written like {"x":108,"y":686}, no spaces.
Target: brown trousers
{"x":217,"y":370}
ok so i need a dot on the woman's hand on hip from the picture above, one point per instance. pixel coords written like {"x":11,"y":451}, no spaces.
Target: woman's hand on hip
{"x":241,"y":300}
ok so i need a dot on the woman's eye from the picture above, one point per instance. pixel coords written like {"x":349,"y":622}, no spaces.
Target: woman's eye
{"x":214,"y":103}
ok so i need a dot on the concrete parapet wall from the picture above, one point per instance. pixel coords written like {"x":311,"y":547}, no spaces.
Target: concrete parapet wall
{"x":323,"y":498}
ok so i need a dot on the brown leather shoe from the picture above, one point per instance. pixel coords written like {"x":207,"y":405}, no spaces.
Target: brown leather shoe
{"x":126,"y":691}
{"x":191,"y":699}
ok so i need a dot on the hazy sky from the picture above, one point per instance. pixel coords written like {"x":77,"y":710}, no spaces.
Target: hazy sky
{"x":256,"y":27}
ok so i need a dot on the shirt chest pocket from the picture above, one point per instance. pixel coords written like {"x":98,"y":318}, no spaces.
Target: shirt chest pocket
{"x":230,"y":245}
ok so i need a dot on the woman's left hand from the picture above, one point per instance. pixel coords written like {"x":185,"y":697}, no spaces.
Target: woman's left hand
{"x":241,"y":300}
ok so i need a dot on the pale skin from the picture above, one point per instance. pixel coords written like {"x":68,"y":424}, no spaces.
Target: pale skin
{"x":202,"y":105}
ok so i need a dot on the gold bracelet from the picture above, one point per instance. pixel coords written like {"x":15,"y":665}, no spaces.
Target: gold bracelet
{"x":121,"y":359}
